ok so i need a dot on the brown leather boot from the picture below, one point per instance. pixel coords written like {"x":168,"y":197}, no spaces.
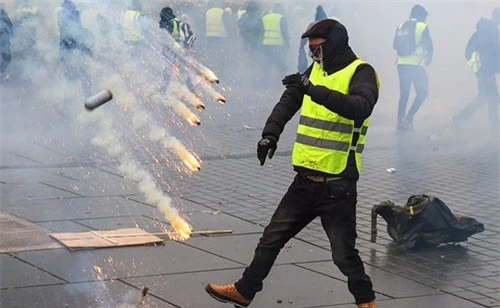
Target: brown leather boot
{"x":227,"y":294}
{"x":368,"y":305}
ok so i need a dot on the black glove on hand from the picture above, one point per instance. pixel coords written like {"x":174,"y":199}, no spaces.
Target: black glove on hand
{"x":266,"y":145}
{"x":299,"y":81}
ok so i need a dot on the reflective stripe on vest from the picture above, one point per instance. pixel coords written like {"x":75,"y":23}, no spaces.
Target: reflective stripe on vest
{"x":175,"y":31}
{"x":240,"y":13}
{"x":418,"y":56}
{"x":474,"y":62}
{"x":215,"y":26}
{"x":272,"y":29}
{"x":130,"y":26}
{"x":324,"y":138}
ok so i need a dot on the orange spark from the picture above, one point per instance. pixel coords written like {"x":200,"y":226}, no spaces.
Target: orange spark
{"x":182,"y":229}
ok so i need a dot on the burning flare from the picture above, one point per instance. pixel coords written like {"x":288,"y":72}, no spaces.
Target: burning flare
{"x":187,"y":158}
{"x":183,"y":111}
{"x":182,"y":229}
{"x":200,"y":82}
{"x":156,"y":196}
{"x":210,"y":76}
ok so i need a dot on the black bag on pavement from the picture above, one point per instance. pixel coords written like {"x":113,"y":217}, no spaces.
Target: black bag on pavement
{"x":424,"y":222}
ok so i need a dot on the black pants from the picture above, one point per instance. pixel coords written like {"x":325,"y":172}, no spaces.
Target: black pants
{"x":335,"y":203}
{"x":409,"y":74}
{"x":6,"y":56}
{"x":487,"y":93}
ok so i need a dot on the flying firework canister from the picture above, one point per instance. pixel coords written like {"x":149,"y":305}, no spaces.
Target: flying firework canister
{"x":99,"y":99}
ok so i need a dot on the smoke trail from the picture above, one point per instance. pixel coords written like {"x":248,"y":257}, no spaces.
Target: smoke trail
{"x":183,"y":93}
{"x":201,"y":83}
{"x":110,"y":140}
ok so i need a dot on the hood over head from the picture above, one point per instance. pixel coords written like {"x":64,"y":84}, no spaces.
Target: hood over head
{"x":418,"y":12}
{"x":320,"y":13}
{"x":167,"y":13}
{"x":486,"y":30}
{"x":337,"y":53}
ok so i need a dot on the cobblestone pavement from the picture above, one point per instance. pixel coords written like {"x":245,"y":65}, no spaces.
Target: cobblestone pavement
{"x":63,"y":185}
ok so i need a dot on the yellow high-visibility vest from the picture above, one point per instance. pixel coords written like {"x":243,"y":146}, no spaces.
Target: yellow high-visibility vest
{"x":240,"y":13}
{"x":324,"y":138}
{"x":418,"y":56}
{"x":175,"y":31}
{"x":474,"y":62}
{"x":272,"y":29}
{"x":130,"y":26}
{"x":215,"y":26}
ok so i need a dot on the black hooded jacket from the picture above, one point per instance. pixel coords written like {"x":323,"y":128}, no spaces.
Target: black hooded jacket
{"x":485,"y":41}
{"x":357,"y":105}
{"x":167,"y":19}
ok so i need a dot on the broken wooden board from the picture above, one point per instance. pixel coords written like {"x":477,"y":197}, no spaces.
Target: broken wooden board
{"x":107,"y":238}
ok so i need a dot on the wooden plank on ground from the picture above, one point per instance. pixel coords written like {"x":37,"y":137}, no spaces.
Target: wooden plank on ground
{"x":107,"y":238}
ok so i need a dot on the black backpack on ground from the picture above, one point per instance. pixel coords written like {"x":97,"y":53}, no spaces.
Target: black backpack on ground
{"x":404,"y":40}
{"x":424,"y":222}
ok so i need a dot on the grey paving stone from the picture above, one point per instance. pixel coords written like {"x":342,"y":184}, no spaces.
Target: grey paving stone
{"x":20,"y":235}
{"x":10,"y":159}
{"x":41,"y":154}
{"x":15,"y":273}
{"x":15,"y":194}
{"x":444,"y":300}
{"x":291,"y":285}
{"x":90,"y":181}
{"x":142,"y":222}
{"x":30,"y":175}
{"x":209,"y":218}
{"x":78,"y":208}
{"x":487,"y":301}
{"x":383,"y":282}
{"x":91,"y":294}
{"x":469,"y":295}
{"x":63,"y":226}
{"x":125,"y":261}
{"x":240,"y":248}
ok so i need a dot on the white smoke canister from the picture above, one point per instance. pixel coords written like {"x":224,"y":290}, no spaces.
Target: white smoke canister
{"x":97,"y":100}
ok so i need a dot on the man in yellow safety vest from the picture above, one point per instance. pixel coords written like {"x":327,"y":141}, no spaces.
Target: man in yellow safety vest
{"x":130,"y":22}
{"x":336,"y":95}
{"x":413,"y":45}
{"x":276,"y":41}
{"x":483,"y":55}
{"x":217,"y":28}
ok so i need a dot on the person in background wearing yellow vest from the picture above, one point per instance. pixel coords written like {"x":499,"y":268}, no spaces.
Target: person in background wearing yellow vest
{"x":276,"y":40}
{"x":336,"y":96}
{"x":216,"y":31}
{"x":240,"y":12}
{"x":483,"y":55}
{"x":130,"y":21}
{"x":320,"y":15}
{"x":251,"y":28}
{"x":413,"y":45}
{"x":169,"y":22}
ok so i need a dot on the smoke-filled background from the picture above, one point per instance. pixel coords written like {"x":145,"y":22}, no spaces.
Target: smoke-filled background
{"x":161,"y":90}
